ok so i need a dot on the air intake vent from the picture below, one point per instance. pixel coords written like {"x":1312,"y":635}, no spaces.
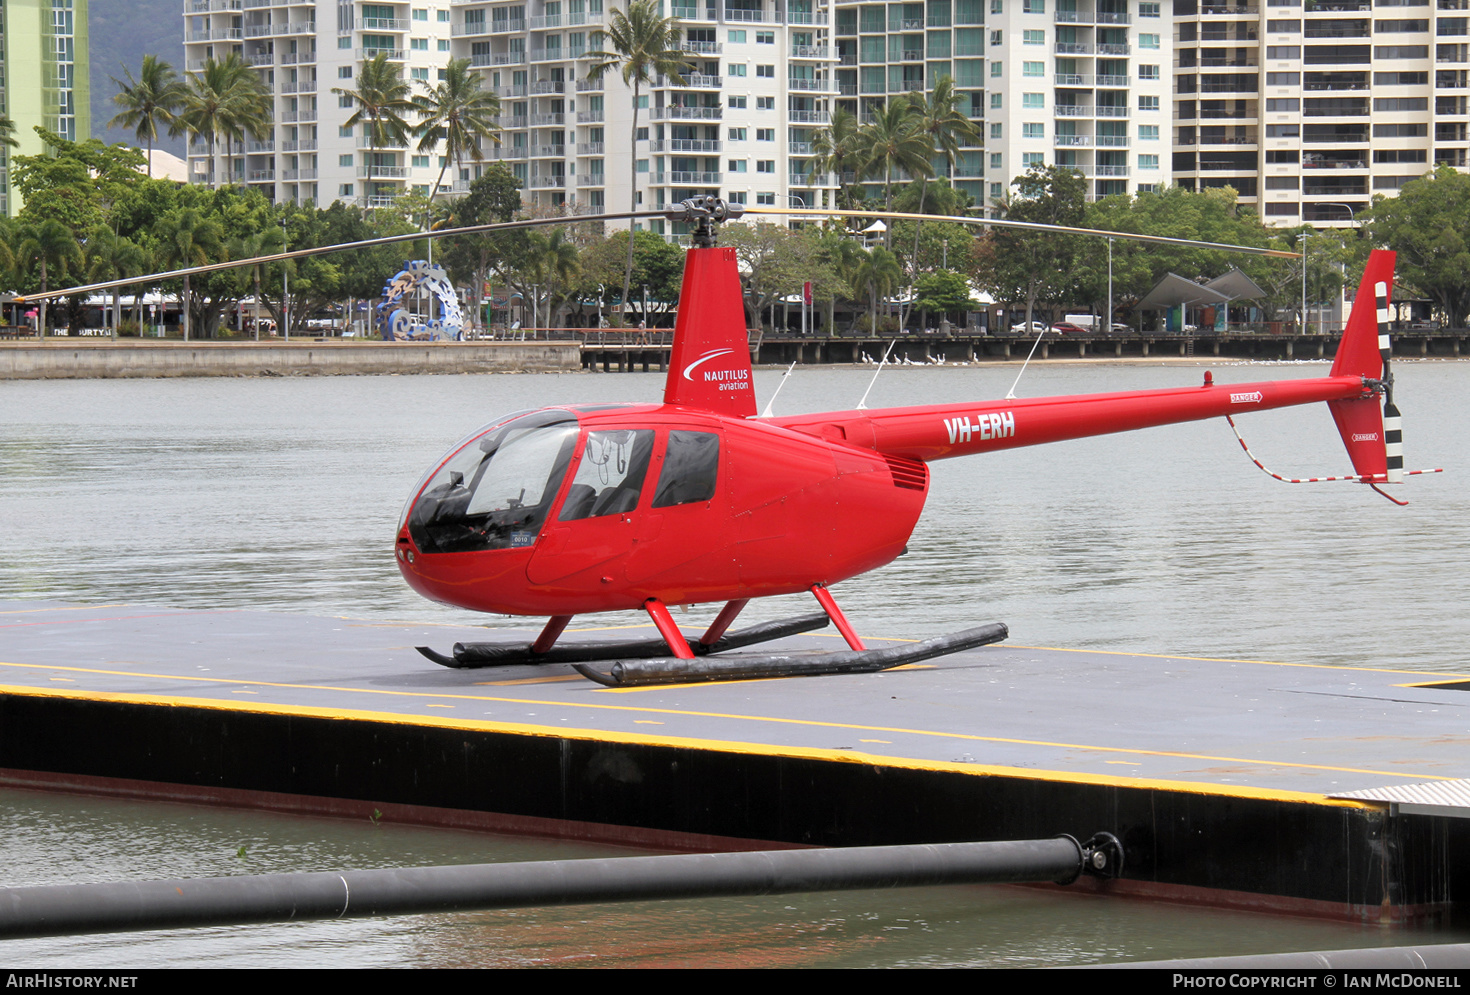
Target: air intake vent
{"x":909,"y":473}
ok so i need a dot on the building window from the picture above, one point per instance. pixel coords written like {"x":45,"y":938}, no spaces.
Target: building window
{"x":443,"y":17}
{"x":738,"y":165}
{"x":420,"y":14}
{"x":1283,"y":79}
{"x":642,"y":135}
{"x":1148,"y":10}
{"x":765,"y":72}
{"x":997,"y":68}
{"x":737,"y":37}
{"x":995,"y":132}
{"x":1283,"y":104}
{"x":345,"y":190}
{"x":1148,"y":132}
{"x":737,"y":134}
{"x":1033,"y":37}
{"x":1148,"y":41}
{"x":419,"y":74}
{"x":443,"y":44}
{"x":419,"y":44}
{"x":995,"y":102}
{"x":1034,"y":69}
{"x":765,"y":103}
{"x":1033,"y":130}
{"x":1148,"y":72}
{"x":1033,"y":100}
{"x":421,"y":162}
{"x":1283,"y":131}
{"x":997,"y":6}
{"x":1283,"y":51}
{"x":995,"y":188}
{"x":1148,"y":188}
{"x":345,"y":160}
{"x":344,"y":42}
{"x":1029,"y":159}
{"x":765,"y":37}
{"x":738,"y":103}
{"x":765,"y":199}
{"x":765,"y":134}
{"x":995,"y":38}
{"x":735,"y":69}
{"x":1148,"y":162}
{"x":345,"y":131}
{"x":765,"y":165}
{"x":1033,"y":6}
{"x":736,"y":196}
{"x":641,"y":166}
{"x":995,"y":160}
{"x":1146,"y":103}
{"x":344,"y":72}
{"x":344,"y":100}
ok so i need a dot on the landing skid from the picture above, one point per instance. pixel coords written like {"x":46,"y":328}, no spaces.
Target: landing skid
{"x":472,"y":655}
{"x":672,"y":670}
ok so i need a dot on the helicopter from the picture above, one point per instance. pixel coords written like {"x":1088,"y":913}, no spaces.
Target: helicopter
{"x":584,"y":508}
{"x":578,"y":509}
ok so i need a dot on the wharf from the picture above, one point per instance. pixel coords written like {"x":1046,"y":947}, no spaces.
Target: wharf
{"x":1217,"y":775}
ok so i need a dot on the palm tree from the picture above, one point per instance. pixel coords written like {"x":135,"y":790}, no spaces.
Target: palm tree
{"x":154,"y":97}
{"x":550,"y":263}
{"x":459,"y":114}
{"x":381,"y":99}
{"x":645,"y":45}
{"x":892,"y":141}
{"x":877,"y":271}
{"x":55,"y":250}
{"x":187,"y":238}
{"x":938,"y":119}
{"x":835,"y":150}
{"x":226,"y":99}
{"x":113,"y":257}
{"x":7,"y":131}
{"x":267,"y":242}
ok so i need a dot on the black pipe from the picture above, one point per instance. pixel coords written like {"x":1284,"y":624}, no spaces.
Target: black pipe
{"x":101,"y":908}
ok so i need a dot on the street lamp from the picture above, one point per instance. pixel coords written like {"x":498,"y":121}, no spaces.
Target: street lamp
{"x":285,"y":289}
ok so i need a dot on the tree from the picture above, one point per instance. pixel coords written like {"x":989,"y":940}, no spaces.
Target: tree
{"x":659,"y":266}
{"x":891,"y":141}
{"x":459,"y":114}
{"x":54,"y":251}
{"x":645,"y":45}
{"x":836,"y":150}
{"x":546,"y":270}
{"x":154,"y":98}
{"x":187,"y":237}
{"x":381,"y":99}
{"x":945,"y":292}
{"x":1428,"y":225}
{"x":226,"y":99}
{"x":267,"y":242}
{"x":1017,"y":264}
{"x":777,"y":261}
{"x":938,"y":120}
{"x":877,"y":272}
{"x":494,"y":197}
{"x":114,"y":257}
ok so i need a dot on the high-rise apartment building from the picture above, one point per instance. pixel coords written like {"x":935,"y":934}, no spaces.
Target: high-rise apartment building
{"x":1310,"y":107}
{"x":44,"y":76}
{"x":302,"y":51}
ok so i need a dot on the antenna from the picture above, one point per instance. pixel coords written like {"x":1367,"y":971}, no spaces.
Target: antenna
{"x":767,"y":413}
{"x":863,"y":404}
{"x":1011,"y":394}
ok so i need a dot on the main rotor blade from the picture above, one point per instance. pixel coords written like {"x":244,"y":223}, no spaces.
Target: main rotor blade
{"x":340,"y":247}
{"x":822,"y":212}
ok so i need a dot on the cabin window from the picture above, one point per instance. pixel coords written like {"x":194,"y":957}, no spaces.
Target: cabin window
{"x":496,"y":491}
{"x":610,"y":477}
{"x":691,"y":467}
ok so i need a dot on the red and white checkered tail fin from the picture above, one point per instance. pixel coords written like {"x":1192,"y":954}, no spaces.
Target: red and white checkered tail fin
{"x":1372,"y":434}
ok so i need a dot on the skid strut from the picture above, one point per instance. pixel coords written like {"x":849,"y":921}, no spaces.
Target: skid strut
{"x":471,"y":655}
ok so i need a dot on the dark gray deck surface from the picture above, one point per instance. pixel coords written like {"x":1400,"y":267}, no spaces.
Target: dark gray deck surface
{"x":1236,"y":727}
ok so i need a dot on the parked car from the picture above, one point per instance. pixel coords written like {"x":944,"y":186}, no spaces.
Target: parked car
{"x":1067,"y":328}
{"x":1033,"y":328}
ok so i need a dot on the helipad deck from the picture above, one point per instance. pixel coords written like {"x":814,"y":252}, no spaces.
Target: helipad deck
{"x":1216,"y":774}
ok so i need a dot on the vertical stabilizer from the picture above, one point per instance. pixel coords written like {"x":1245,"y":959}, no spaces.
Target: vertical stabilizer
{"x":710,"y":364}
{"x":1363,"y":352}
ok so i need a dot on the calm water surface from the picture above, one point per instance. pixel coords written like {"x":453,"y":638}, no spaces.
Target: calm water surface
{"x":283,"y":494}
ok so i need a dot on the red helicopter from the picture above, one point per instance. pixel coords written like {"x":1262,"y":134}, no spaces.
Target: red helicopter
{"x":590,"y":508}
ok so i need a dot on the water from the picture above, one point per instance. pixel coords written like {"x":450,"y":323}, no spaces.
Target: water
{"x":283,"y":494}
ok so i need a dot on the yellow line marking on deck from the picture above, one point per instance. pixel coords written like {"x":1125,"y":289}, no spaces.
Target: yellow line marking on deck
{"x":774,"y":720}
{"x":529,"y":680}
{"x":1212,"y":659}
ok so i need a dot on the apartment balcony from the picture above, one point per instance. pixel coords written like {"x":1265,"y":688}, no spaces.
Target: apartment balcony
{"x":295,"y":28}
{"x":799,"y":148}
{"x":262,"y":176}
{"x":591,"y":179}
{"x":1247,"y":139}
{"x":366,"y":142}
{"x":383,"y":24}
{"x":260,"y":148}
{"x":592,"y":148}
{"x":550,"y":152}
{"x":383,"y":172}
{"x":511,"y":91}
{"x":298,"y":174}
{"x":206,"y":6}
{"x":517,"y":58}
{"x":689,"y":13}
{"x":548,"y":86}
{"x":693,"y":81}
{"x":913,"y":55}
{"x":512,"y":152}
{"x":1110,"y":111}
{"x":299,"y":86}
{"x":547,"y":55}
{"x":744,"y":15}
{"x":805,"y":17}
{"x":589,"y":117}
{"x":1217,"y":9}
{"x":1225,"y":63}
{"x":811,"y":85}
{"x":910,"y":24}
{"x":1104,"y":170}
{"x":258,"y":30}
{"x":1072,"y":141}
{"x":911,"y":86}
{"x":682,"y":114}
{"x":1111,"y":141}
{"x":547,"y":183}
{"x":216,"y":34}
{"x":303,"y":145}
{"x":847,"y":89}
{"x":393,"y":54}
{"x":589,"y":85}
{"x":1113,"y":80}
{"x":475,"y":29}
{"x":1073,"y":110}
{"x":810,"y":180}
{"x":847,"y":60}
{"x":545,"y":120}
{"x":1073,"y":48}
{"x":1075,"y":17}
{"x":702,"y":47}
{"x":1110,"y":17}
{"x":381,"y":200}
{"x":689,"y":145}
{"x":1106,"y":48}
{"x":811,"y":51}
{"x":808,"y":117}
{"x":1073,"y":79}
{"x":699,"y":179}
{"x":194,"y":65}
{"x":255,"y":59}
{"x":291,"y":117}
{"x":481,"y":61}
{"x":253,"y":4}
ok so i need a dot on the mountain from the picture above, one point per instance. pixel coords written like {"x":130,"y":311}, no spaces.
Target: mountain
{"x":120,"y":33}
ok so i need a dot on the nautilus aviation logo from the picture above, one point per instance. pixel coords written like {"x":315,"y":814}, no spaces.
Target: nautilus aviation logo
{"x":727,"y":379}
